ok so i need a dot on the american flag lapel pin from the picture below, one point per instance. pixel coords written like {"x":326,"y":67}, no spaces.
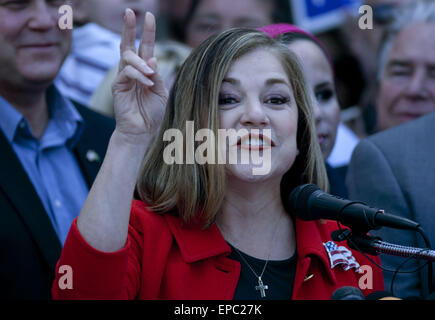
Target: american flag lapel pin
{"x":340,"y":255}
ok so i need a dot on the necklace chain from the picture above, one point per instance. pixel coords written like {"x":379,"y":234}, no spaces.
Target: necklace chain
{"x":252,"y":269}
{"x":261,"y":287}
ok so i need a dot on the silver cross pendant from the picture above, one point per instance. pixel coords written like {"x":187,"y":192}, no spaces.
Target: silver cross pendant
{"x":261,"y":287}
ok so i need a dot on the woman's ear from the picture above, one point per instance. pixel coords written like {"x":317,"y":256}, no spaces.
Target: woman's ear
{"x":80,"y":12}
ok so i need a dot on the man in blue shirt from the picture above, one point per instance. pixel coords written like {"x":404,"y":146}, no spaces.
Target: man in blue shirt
{"x":50,"y":148}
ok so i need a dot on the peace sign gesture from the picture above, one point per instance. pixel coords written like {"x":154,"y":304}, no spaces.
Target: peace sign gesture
{"x":139,"y":92}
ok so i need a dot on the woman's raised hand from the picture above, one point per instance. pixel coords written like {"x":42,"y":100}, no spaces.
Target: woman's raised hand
{"x":139,"y":92}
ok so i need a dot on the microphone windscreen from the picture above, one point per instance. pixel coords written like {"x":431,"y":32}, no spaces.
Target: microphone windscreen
{"x":298,"y":199}
{"x":347,"y":293}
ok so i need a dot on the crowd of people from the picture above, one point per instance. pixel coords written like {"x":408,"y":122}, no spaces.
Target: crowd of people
{"x":84,"y":116}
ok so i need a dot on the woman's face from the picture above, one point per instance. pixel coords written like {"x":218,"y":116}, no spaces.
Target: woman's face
{"x":318,"y":73}
{"x":256,"y":95}
{"x":214,"y":16}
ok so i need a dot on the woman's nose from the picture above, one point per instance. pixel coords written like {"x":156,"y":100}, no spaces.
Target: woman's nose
{"x":317,"y":111}
{"x":254,"y":114}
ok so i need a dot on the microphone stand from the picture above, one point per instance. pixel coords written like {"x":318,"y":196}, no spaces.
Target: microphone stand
{"x":374,"y":246}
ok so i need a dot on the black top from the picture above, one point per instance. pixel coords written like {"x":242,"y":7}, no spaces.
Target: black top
{"x":279,"y":277}
{"x":336,"y":177}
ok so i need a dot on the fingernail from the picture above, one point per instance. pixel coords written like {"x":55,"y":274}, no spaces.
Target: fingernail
{"x":148,"y":69}
{"x":149,"y":19}
{"x":127,"y":10}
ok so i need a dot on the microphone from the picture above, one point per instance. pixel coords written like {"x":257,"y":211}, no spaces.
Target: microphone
{"x":308,"y":202}
{"x":347,"y":293}
{"x":381,"y":295}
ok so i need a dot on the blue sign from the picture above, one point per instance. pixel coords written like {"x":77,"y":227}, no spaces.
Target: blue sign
{"x":321,"y":15}
{"x":320,"y":7}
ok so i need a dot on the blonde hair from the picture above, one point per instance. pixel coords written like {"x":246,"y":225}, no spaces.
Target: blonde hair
{"x":195,"y":191}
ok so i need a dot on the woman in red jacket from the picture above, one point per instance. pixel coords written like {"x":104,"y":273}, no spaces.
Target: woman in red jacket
{"x":210,"y":222}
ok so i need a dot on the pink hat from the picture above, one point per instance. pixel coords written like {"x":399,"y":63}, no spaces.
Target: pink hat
{"x":275,"y":30}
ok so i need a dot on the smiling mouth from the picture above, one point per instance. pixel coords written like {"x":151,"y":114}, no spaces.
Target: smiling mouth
{"x":38,"y":45}
{"x":255,"y":142}
{"x":410,"y":115}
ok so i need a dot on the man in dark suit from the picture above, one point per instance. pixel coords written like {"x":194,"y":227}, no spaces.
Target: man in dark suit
{"x":51,"y":149}
{"x":395,"y":169}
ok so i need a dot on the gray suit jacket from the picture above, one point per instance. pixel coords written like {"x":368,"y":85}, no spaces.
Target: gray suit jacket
{"x":395,"y":170}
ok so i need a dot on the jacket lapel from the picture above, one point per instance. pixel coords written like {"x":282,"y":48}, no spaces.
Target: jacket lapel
{"x":208,"y":249}
{"x":196,"y":243}
{"x":18,"y":188}
{"x":92,"y":145}
{"x":89,"y":159}
{"x":309,"y":239}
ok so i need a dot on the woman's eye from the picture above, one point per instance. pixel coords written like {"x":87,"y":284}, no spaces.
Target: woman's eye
{"x":224,"y":100}
{"x":324,"y":95}
{"x":15,"y":5}
{"x":277,"y":100}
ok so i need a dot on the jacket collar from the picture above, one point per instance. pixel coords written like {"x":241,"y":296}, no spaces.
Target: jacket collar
{"x":91,"y":147}
{"x":196,"y":243}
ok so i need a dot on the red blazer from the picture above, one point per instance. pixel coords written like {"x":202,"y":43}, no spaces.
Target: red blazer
{"x":164,"y":259}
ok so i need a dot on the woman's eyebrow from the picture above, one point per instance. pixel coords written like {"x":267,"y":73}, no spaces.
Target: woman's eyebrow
{"x":268,"y":82}
{"x":273,"y":81}
{"x":323,"y":85}
{"x":231,"y":81}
